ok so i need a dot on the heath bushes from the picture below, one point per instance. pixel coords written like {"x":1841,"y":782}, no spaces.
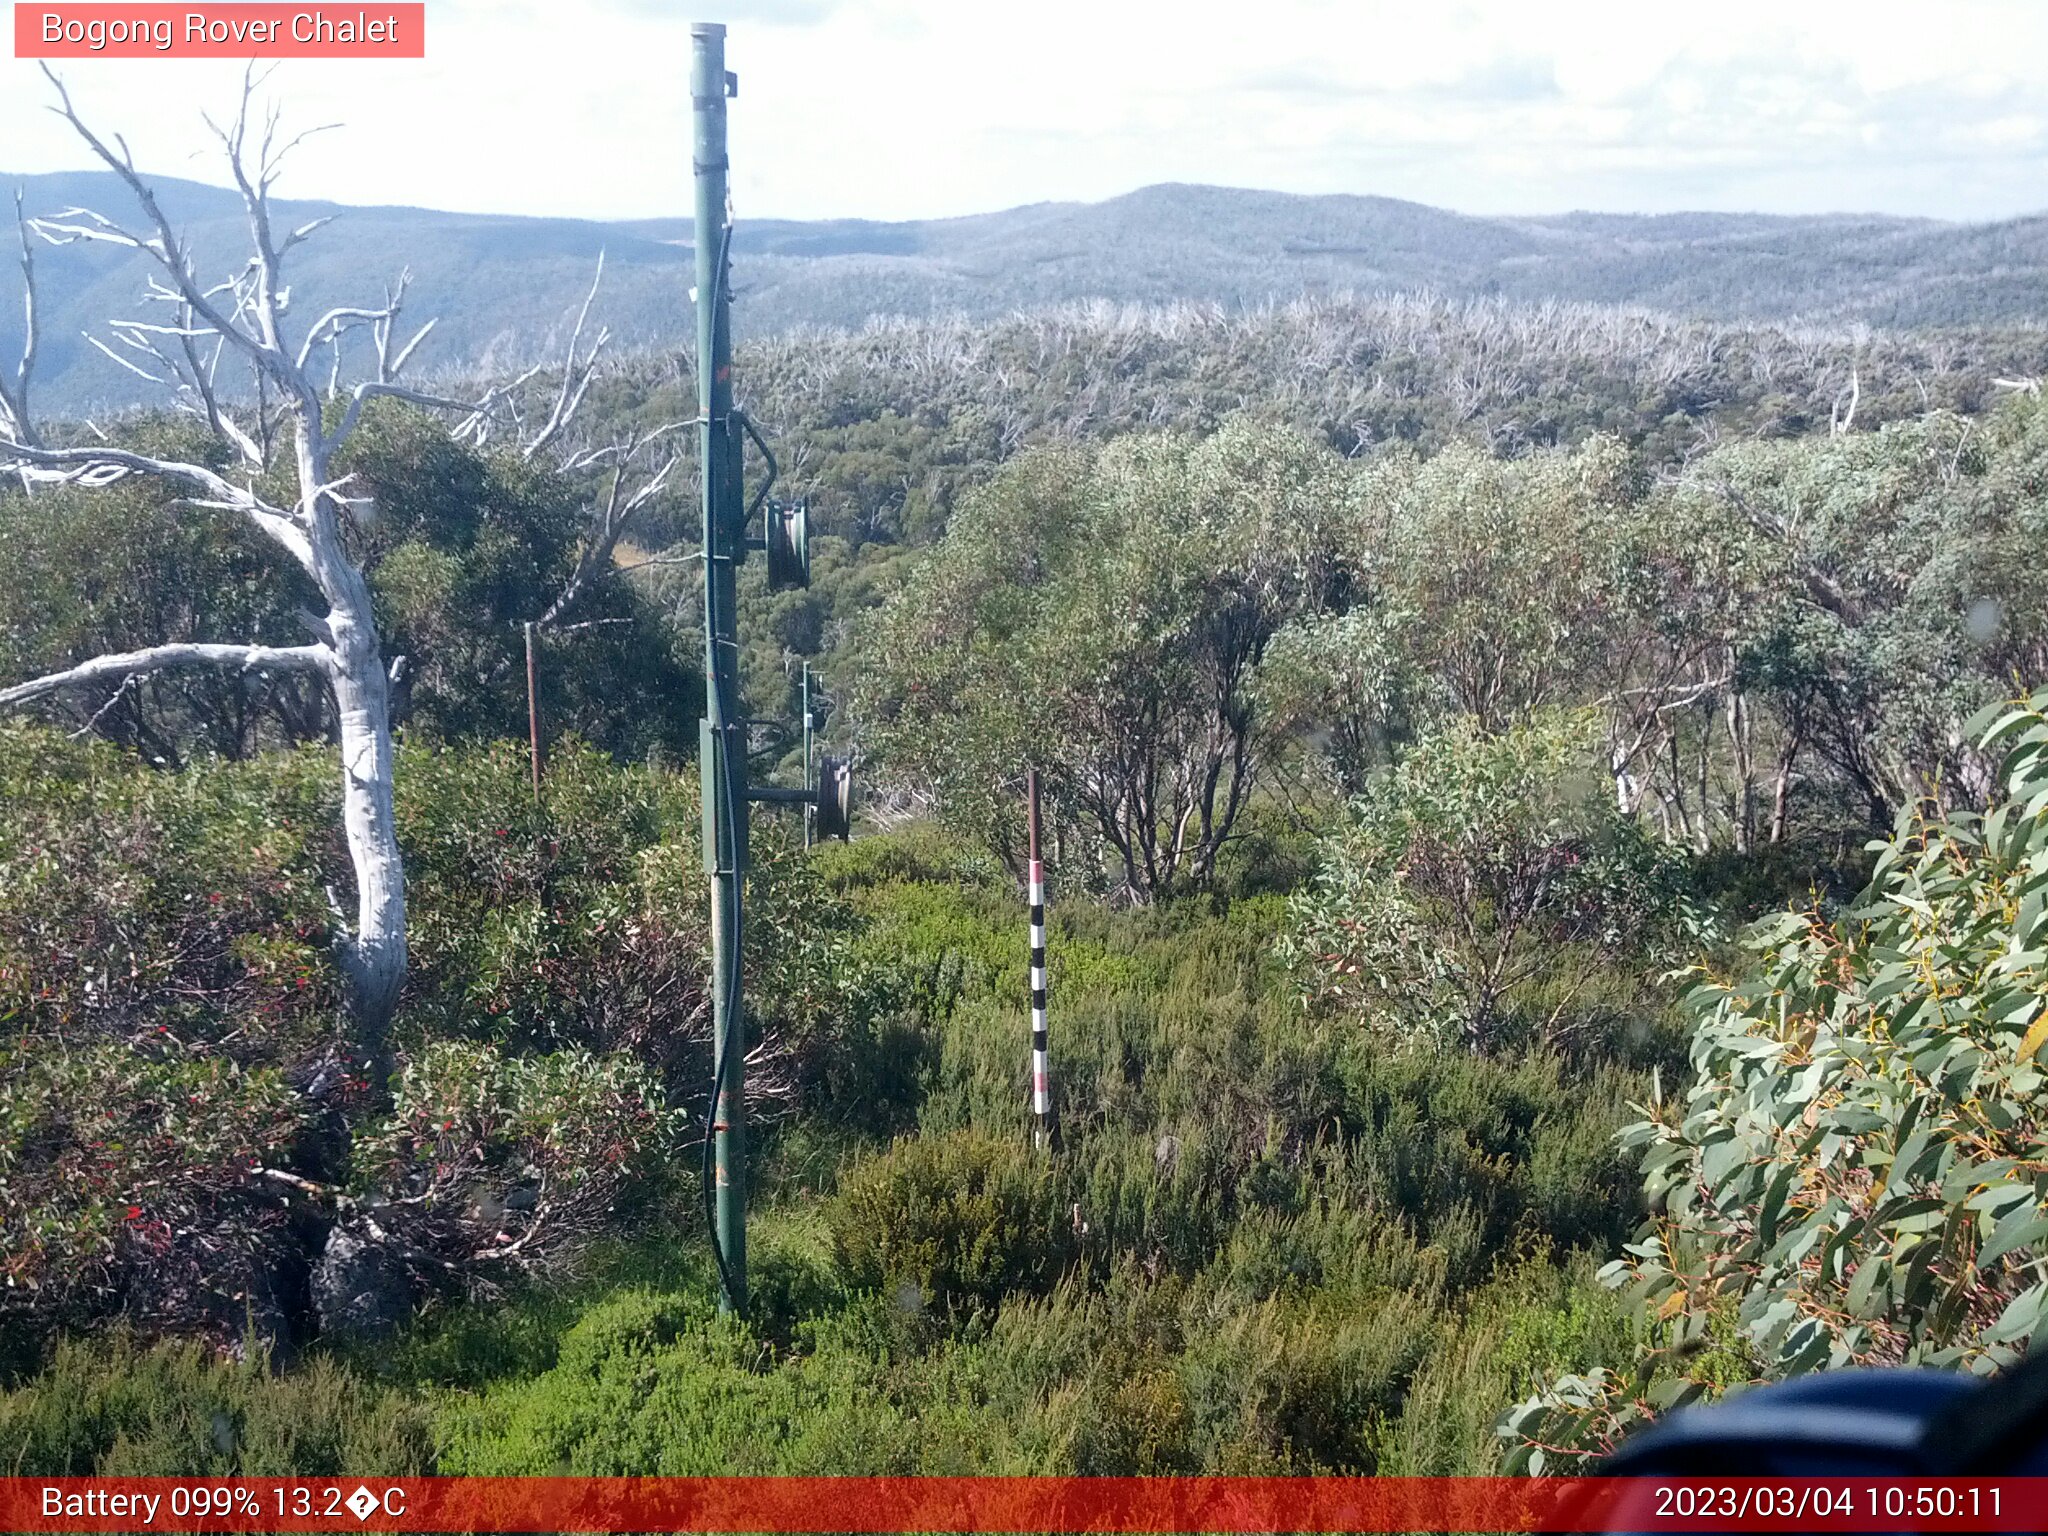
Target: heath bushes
{"x":950,"y":1222}
{"x":110,"y":1408}
{"x":136,"y":1176}
{"x":181,"y":1128}
{"x":655,"y":1385}
{"x":184,"y":907}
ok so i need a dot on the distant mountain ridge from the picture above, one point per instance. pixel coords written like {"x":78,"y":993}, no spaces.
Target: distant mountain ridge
{"x":502,"y":285}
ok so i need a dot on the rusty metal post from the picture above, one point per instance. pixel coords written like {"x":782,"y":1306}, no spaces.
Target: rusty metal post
{"x":535,"y":752}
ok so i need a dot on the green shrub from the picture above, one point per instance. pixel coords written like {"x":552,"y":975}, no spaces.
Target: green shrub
{"x":653,"y":1385}
{"x":1531,"y":1320}
{"x":182,"y":906}
{"x":950,"y":1223}
{"x":1298,"y":1384}
{"x":111,"y":1408}
{"x":491,"y":1159}
{"x":1479,"y":885}
{"x":127,"y":1176}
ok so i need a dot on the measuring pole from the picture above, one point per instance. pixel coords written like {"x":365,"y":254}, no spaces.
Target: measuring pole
{"x":1041,"y":1085}
{"x":722,"y":755}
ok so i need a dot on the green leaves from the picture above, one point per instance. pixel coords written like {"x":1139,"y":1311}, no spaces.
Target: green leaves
{"x":1861,"y":1174}
{"x":1480,"y":871}
{"x":110,"y":1157}
{"x":2024,"y":1227}
{"x":1103,"y":615}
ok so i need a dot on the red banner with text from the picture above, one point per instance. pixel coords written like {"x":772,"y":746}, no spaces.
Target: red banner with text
{"x":235,"y":31}
{"x":1150,"y":1505}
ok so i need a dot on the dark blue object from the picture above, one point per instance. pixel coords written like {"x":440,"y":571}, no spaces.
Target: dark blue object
{"x":1879,"y":1423}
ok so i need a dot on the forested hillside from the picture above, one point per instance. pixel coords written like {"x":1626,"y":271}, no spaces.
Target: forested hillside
{"x":503,"y":285}
{"x":1518,"y":779}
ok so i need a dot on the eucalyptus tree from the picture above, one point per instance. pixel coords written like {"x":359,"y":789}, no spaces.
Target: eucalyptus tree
{"x":283,"y":456}
{"x":1872,"y":551}
{"x":1101,"y":614}
{"x":1497,"y":563}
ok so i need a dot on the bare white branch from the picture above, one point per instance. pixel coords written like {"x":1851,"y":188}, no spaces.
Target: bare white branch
{"x":405,"y":352}
{"x":134,"y":368}
{"x":98,"y":466}
{"x":131,"y":664}
{"x":14,"y":414}
{"x":618,"y":507}
{"x":164,"y":246}
{"x":576,"y":372}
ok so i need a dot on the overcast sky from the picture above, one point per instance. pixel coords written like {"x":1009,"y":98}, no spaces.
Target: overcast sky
{"x":914,"y":108}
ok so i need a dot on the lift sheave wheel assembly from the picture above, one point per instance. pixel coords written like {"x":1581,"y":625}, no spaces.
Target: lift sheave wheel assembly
{"x":835,"y":798}
{"x":787,"y":536}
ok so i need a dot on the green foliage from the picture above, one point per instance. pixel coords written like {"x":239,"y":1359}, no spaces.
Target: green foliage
{"x":949,"y":1222}
{"x":1497,"y":569}
{"x":465,"y":546}
{"x":539,"y":1146}
{"x":1363,"y":1367}
{"x":1101,"y":615}
{"x":654,"y":1385}
{"x":469,"y":544}
{"x":135,"y":1174}
{"x":178,"y":1118}
{"x":1855,"y":1175}
{"x":1262,"y":1247}
{"x":577,"y":919}
{"x":84,"y":572}
{"x":1476,"y":887}
{"x":1890,"y":597}
{"x":1781,"y":644}
{"x":184,"y":906}
{"x":113,"y":1409}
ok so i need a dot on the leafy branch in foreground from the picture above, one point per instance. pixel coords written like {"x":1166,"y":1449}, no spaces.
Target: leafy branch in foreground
{"x":1860,"y":1174}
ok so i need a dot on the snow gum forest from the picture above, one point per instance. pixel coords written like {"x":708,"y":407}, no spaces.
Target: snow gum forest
{"x":1545,"y":811}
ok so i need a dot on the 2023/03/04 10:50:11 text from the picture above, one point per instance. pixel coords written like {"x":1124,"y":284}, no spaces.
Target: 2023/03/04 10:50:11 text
{"x":1824,"y":1497}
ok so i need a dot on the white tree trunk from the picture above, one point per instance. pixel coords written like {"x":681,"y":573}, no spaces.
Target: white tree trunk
{"x":374,"y":955}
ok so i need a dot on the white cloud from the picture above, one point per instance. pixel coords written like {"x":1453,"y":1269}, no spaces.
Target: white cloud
{"x":902,"y":108}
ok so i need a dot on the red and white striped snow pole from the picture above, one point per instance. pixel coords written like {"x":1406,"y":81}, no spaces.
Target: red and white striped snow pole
{"x":1041,"y":1081}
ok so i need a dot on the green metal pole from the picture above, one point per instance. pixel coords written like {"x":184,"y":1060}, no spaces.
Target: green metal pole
{"x":722,"y":755}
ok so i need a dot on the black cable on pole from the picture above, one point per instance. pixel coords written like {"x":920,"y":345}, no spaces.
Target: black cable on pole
{"x":721,"y":1028}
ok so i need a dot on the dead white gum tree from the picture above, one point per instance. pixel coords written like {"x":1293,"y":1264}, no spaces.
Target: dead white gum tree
{"x":618,"y":476}
{"x":625,"y":473}
{"x":192,"y":327}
